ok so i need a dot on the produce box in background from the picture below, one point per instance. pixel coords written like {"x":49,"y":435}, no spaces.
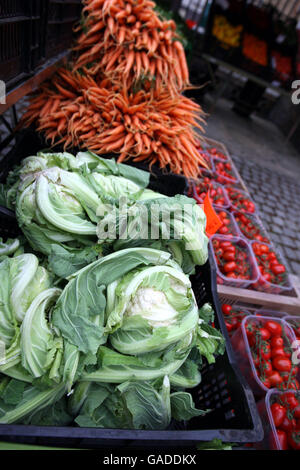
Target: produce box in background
{"x":224,"y":29}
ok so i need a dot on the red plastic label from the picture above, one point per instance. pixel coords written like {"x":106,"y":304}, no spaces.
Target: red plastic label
{"x":213,"y":222}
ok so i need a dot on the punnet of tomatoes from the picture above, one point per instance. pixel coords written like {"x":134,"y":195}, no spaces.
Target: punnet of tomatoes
{"x":229,"y":227}
{"x":284,"y":413}
{"x":233,"y":316}
{"x":240,"y":200}
{"x":250,"y":227}
{"x":270,"y":343}
{"x":273,"y":274}
{"x":234,"y":261}
{"x":216,"y":192}
{"x":225,"y":172}
{"x":265,"y":350}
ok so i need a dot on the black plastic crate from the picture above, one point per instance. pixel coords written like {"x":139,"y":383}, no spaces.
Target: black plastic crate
{"x":234,"y":417}
{"x":20,"y":39}
{"x":32,"y":32}
{"x":234,"y":15}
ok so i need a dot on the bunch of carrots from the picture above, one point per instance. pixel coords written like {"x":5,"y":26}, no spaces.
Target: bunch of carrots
{"x":129,"y":42}
{"x":122,"y":91}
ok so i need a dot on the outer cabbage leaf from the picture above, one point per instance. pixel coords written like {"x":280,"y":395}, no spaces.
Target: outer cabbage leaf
{"x":38,"y":347}
{"x":80,"y":311}
{"x":183,"y":407}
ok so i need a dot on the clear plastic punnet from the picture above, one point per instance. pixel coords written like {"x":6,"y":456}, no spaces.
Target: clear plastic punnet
{"x":242,"y":348}
{"x":243,"y":246}
{"x":271,"y":440}
{"x":263,"y":285}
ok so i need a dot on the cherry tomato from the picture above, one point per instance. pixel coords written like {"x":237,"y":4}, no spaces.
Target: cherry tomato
{"x":288,"y":424}
{"x":279,"y":351}
{"x":229,"y":256}
{"x":230,"y":266}
{"x":265,"y":351}
{"x":226,"y":309}
{"x":265,"y":334}
{"x":275,"y":379}
{"x":290,"y":400}
{"x":282,"y":363}
{"x":278,"y":413}
{"x":278,"y":269}
{"x":274,"y":328}
{"x":276,"y":341}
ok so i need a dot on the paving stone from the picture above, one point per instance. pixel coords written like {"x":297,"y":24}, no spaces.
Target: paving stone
{"x":278,"y":221}
{"x":289,"y":253}
{"x":295,"y":267}
{"x":287,"y":241}
{"x":276,"y":229}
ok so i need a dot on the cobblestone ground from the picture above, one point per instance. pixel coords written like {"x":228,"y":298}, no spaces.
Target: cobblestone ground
{"x":278,"y":200}
{"x":270,"y":169}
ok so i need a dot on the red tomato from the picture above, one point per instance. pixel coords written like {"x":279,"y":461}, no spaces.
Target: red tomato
{"x":275,"y":379}
{"x":276,"y":341}
{"x":278,"y":413}
{"x":282,"y":363}
{"x":265,"y":334}
{"x":265,"y":351}
{"x":229,"y":267}
{"x":274,"y":328}
{"x":229,"y":256}
{"x":266,"y":382}
{"x":278,"y":269}
{"x":288,"y":424}
{"x":289,"y":399}
{"x":267,"y":368}
{"x":279,"y":351}
{"x":226,"y":309}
